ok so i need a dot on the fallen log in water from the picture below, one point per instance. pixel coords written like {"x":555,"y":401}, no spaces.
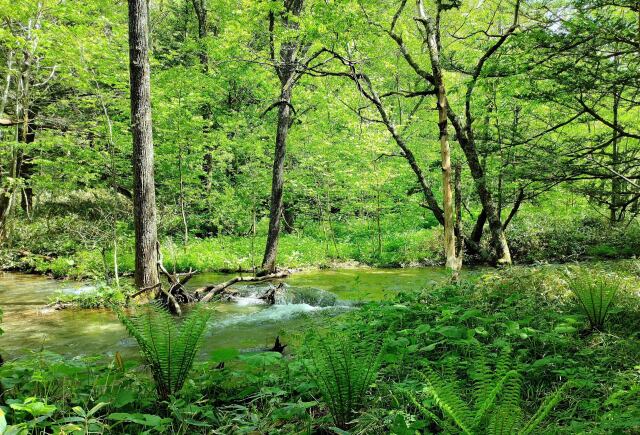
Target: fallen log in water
{"x":211,"y":291}
{"x":59,"y":305}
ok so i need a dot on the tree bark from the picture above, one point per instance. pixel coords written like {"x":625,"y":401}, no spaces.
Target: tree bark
{"x":286,"y":67}
{"x":465,"y":134}
{"x":458,"y":209}
{"x":211,"y":291}
{"x":200,"y":9}
{"x":289,"y":216}
{"x":277,"y":182}
{"x":144,"y":199}
{"x":201,"y":14}
{"x":498,"y":238}
{"x":614,"y":204}
{"x":478,"y":229}
{"x":453,"y":262}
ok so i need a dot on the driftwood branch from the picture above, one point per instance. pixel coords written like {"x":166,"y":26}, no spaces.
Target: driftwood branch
{"x":213,"y":290}
{"x":144,"y":289}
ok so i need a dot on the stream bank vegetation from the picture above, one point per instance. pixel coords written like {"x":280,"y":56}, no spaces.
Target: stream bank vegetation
{"x":312,"y":133}
{"x":512,"y":352}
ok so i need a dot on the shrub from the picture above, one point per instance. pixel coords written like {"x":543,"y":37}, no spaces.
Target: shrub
{"x":343,"y":373}
{"x":595,"y":294}
{"x":169,"y":350}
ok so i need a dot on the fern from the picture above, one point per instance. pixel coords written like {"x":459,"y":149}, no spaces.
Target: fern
{"x":595,"y":295}
{"x":495,"y":407}
{"x":167,"y":348}
{"x":343,"y":373}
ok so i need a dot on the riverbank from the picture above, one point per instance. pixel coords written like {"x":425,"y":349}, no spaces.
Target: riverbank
{"x":530,"y":243}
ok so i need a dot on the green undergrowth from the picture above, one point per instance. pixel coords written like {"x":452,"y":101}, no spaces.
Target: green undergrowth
{"x":531,"y":241}
{"x":230,"y":253}
{"x":444,"y":348}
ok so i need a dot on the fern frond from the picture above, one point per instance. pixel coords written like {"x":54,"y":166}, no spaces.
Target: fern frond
{"x":425,"y":411}
{"x":505,"y":420}
{"x":448,"y":400}
{"x":508,"y":388}
{"x":595,"y":295}
{"x":482,"y":377}
{"x":168,"y":350}
{"x":343,"y":373}
{"x":497,"y":406}
{"x":545,"y":409}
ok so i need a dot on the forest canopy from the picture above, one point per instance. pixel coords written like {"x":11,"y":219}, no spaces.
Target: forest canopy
{"x":540,"y":113}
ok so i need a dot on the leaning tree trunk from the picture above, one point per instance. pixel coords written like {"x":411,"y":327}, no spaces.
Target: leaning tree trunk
{"x":277,"y":182}
{"x":144,"y":198}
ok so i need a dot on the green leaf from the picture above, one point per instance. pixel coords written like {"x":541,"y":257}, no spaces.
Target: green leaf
{"x":96,"y":408}
{"x":35,"y":408}
{"x":3,"y":422}
{"x":143,"y":419}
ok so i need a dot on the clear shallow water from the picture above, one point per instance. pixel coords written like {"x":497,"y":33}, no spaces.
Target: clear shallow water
{"x":245,"y":324}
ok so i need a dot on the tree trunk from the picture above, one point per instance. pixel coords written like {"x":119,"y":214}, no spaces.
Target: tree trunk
{"x":26,"y":166}
{"x":277,"y":182}
{"x":289,"y":216}
{"x":7,"y":197}
{"x":465,"y":136}
{"x":614,"y":203}
{"x":478,"y":229}
{"x":452,"y":260}
{"x":144,"y":199}
{"x":447,"y":194}
{"x":201,"y":13}
{"x":286,"y":66}
{"x":200,"y":8}
{"x":458,"y":210}
{"x":498,"y":239}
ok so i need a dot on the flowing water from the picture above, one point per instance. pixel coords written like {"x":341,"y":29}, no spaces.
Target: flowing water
{"x":245,"y":323}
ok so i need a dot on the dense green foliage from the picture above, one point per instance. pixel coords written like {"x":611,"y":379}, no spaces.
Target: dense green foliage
{"x":553,"y":120}
{"x":447,"y":338}
{"x":535,"y":104}
{"x":496,"y":403}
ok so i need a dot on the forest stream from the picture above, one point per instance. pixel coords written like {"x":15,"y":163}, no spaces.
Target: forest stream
{"x":246,"y":323}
